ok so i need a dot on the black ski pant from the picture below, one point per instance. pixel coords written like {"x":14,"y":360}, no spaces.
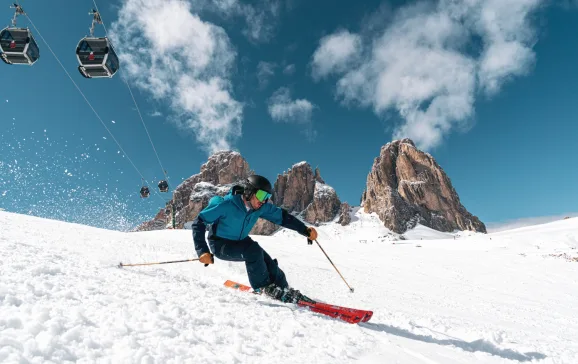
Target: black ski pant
{"x":261,"y":269}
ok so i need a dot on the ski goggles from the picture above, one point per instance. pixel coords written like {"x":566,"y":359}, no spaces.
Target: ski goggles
{"x":262,"y":196}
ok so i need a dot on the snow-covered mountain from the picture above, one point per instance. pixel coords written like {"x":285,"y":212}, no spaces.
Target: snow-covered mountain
{"x":437,"y":297}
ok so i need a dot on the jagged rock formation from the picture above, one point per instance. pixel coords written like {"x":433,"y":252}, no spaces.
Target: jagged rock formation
{"x":407,"y":186}
{"x":221,"y":171}
{"x":300,"y":190}
{"x":295,"y":188}
{"x":199,"y":198}
{"x":222,"y":168}
{"x":303,"y":192}
{"x":264,"y":227}
{"x":345,"y":214}
{"x":159,"y":222}
{"x":217,"y":175}
{"x":325,"y":205}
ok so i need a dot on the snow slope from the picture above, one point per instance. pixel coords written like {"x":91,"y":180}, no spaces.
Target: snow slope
{"x":441,"y":298}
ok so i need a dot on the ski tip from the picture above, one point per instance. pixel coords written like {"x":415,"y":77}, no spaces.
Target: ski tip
{"x":367,"y":316}
{"x":235,"y":285}
{"x":120,"y":265}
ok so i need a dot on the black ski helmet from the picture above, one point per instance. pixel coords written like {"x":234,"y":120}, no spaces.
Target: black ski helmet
{"x":256,"y":182}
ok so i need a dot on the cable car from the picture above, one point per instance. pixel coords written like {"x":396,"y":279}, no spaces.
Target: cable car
{"x":163,"y":186}
{"x":144,"y":192}
{"x":17,"y":45}
{"x":96,"y":56}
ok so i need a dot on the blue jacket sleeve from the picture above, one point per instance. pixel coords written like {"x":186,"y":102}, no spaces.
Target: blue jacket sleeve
{"x":281,"y":217}
{"x":208,"y":215}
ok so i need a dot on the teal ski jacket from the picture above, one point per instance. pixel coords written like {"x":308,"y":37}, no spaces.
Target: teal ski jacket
{"x":230,"y":219}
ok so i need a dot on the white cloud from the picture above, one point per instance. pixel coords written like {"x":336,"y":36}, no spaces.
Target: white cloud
{"x":260,"y":17}
{"x":508,"y":40}
{"x":283,"y":108}
{"x":168,"y":51}
{"x":289,"y":69}
{"x":335,"y":53}
{"x":261,"y":20}
{"x":430,"y":61}
{"x":214,"y":114}
{"x":265,"y":70}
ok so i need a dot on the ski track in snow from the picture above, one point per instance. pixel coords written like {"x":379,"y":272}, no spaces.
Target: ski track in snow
{"x":437,"y":300}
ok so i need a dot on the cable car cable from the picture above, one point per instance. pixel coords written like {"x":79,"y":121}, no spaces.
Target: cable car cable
{"x":164,"y":183}
{"x":133,"y":98}
{"x":148,"y":134}
{"x":86,"y":99}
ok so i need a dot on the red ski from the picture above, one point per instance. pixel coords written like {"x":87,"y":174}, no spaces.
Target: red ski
{"x":352,"y":315}
{"x":346,"y":314}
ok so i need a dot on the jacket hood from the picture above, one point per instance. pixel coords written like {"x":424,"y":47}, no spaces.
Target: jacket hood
{"x":236,"y":196}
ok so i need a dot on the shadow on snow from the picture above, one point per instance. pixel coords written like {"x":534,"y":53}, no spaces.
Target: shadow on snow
{"x":477,"y":345}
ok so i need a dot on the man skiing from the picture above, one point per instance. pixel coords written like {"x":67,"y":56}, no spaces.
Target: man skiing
{"x":231,"y":218}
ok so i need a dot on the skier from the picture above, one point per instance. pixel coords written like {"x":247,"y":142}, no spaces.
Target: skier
{"x":231,"y":218}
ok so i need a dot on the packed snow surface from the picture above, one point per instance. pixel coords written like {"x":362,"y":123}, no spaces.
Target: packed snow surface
{"x":508,"y":297}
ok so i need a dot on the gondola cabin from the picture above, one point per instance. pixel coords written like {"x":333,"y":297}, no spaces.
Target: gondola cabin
{"x":17,"y":46}
{"x":163,"y":186}
{"x":96,"y":57}
{"x":144,"y":192}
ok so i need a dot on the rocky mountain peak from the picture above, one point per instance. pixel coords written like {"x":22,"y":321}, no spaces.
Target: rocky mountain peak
{"x":221,"y":170}
{"x":300,"y":190}
{"x":406,"y":186}
{"x":224,"y":167}
{"x":303,"y":192}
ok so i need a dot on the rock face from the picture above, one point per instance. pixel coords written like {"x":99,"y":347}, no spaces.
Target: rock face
{"x":222,"y":168}
{"x":294,"y":189}
{"x":344,"y":214}
{"x":325,"y":205}
{"x":300,"y":190}
{"x":159,"y":222}
{"x":217,"y":175}
{"x":264,"y":227}
{"x":303,"y":192}
{"x":406,"y":187}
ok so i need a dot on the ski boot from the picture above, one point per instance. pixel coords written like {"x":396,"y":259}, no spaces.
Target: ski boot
{"x":287,"y":295}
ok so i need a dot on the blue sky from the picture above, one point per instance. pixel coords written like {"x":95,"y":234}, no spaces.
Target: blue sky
{"x":489,"y":89}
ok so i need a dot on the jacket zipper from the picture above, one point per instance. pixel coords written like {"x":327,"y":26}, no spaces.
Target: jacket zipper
{"x":243,"y":227}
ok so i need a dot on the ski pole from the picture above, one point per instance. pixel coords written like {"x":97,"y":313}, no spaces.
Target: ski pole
{"x":310,"y":242}
{"x":120,"y":265}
